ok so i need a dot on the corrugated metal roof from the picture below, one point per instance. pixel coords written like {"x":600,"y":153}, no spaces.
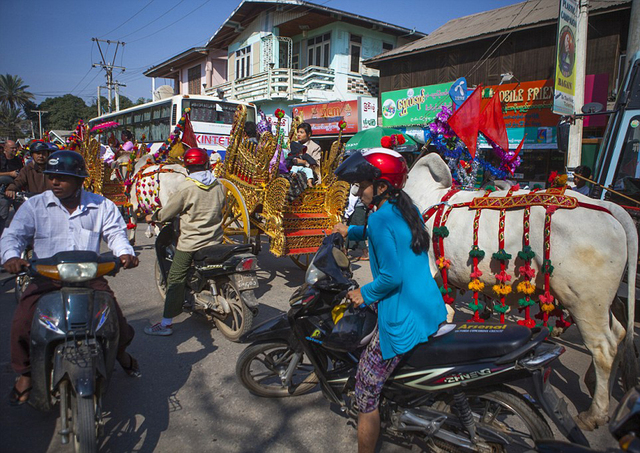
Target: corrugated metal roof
{"x":497,"y":21}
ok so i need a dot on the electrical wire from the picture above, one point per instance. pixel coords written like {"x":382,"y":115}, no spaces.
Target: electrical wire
{"x":155,"y":20}
{"x":126,"y":21}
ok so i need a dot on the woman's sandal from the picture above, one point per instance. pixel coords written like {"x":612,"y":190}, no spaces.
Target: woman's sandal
{"x":133,"y":370}
{"x":16,"y":395}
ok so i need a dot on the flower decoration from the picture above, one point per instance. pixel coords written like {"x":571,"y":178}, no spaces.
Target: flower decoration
{"x":342,"y":124}
{"x":279,"y":114}
{"x":391,"y":141}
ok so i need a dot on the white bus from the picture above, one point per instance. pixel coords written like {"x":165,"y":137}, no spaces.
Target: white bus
{"x":211,"y":119}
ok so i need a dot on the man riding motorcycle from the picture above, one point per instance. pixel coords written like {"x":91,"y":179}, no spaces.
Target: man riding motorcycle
{"x":198,"y":202}
{"x":62,"y":219}
{"x":32,"y":177}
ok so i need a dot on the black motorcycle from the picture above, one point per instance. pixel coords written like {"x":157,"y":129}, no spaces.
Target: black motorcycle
{"x":220,"y":282}
{"x":74,"y":343}
{"x":448,"y":394}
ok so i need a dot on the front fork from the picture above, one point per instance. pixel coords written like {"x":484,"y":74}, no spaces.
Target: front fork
{"x":285,"y":377}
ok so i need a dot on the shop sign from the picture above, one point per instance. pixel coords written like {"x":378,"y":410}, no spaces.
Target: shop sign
{"x":368,"y":112}
{"x":414,"y":106}
{"x":565,"y":76}
{"x":527,"y":109}
{"x":458,"y":91}
{"x":324,"y":118}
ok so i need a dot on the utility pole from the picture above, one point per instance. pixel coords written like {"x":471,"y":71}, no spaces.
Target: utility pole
{"x":574,"y":155}
{"x":40,"y":113}
{"x":109,"y":67}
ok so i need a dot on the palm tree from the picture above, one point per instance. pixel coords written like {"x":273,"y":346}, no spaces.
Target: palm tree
{"x":12,"y":123}
{"x":13,"y":91}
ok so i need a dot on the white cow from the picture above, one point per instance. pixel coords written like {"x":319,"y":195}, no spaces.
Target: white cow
{"x":589,"y":251}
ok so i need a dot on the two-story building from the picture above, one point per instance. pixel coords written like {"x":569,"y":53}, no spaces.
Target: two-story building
{"x":280,"y":53}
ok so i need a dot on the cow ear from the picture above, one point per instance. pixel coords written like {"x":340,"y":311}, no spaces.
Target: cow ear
{"x":433,"y":167}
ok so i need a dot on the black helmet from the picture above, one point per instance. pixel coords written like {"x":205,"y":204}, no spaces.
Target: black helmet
{"x":39,"y":146}
{"x":66,"y":162}
{"x":353,"y":331}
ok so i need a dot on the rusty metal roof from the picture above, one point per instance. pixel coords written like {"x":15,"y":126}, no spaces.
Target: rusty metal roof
{"x":532,"y":13}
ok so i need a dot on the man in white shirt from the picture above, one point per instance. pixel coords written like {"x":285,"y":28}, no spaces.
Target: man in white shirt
{"x":62,"y":219}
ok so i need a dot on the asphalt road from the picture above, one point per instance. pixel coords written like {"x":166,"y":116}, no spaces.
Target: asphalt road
{"x":189,"y":400}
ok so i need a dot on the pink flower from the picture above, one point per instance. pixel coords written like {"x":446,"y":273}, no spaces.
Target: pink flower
{"x":546,"y":298}
{"x":503,"y":277}
{"x":527,"y":271}
{"x":476,"y":274}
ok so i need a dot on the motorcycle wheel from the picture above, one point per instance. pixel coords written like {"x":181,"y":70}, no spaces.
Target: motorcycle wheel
{"x":162,"y":286}
{"x":239,"y":321}
{"x":505,"y":411}
{"x":85,"y":438}
{"x":260,"y":365}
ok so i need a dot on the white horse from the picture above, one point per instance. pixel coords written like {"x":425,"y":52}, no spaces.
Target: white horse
{"x":589,"y":250}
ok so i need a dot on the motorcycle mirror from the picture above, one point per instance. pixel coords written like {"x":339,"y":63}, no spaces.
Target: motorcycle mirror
{"x":592,"y":107}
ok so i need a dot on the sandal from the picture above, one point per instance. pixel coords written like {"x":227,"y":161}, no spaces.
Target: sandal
{"x":133,"y":370}
{"x":16,"y":395}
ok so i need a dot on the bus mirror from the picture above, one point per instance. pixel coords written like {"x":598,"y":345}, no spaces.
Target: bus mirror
{"x":592,"y":107}
{"x":563,"y":134}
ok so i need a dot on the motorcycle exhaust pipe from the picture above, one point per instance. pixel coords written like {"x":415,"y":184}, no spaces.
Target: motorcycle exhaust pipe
{"x":409,"y":421}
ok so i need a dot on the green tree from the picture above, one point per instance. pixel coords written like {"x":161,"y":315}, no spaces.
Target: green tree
{"x":142,"y":100}
{"x":13,"y":91}
{"x":12,"y":123}
{"x":64,"y":112}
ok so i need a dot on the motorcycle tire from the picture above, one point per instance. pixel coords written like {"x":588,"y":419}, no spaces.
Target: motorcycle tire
{"x":262,"y":363}
{"x":162,"y":286}
{"x":501,"y":399}
{"x":240,"y":320}
{"x":85,"y":433}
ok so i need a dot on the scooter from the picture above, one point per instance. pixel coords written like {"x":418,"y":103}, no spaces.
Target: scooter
{"x":449,"y":394}
{"x":220,"y":282}
{"x":74,"y":343}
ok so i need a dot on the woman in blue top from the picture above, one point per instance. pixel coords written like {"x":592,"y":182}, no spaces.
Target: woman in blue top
{"x":409,"y":304}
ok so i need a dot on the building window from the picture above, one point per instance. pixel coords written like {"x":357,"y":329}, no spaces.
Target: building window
{"x":355,"y":50}
{"x":318,"y":49}
{"x":295,"y":57}
{"x":243,"y":62}
{"x":195,"y":78}
{"x":386,"y":47}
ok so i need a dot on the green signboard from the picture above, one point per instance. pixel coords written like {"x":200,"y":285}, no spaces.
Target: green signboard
{"x":414,"y":106}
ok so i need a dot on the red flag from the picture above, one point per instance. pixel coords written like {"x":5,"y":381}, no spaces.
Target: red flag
{"x":492,"y":123}
{"x":465,"y":122}
{"x":188,"y":136}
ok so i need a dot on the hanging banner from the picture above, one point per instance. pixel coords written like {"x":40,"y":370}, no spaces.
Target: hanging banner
{"x":565,"y":77}
{"x":414,"y":106}
{"x":324,"y":118}
{"x":368,"y":112}
{"x":528,"y":109}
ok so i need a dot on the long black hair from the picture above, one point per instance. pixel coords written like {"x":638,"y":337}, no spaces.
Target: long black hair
{"x":409,"y":211}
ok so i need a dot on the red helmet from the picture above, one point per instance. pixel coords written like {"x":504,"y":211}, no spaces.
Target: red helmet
{"x":196,"y":156}
{"x":377,"y":164}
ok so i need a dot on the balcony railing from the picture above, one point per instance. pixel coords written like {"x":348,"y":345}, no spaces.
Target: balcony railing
{"x":277,"y":83}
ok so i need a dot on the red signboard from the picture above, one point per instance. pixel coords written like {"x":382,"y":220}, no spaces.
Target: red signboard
{"x":324,"y":118}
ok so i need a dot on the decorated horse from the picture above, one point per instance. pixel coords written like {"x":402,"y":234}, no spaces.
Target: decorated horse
{"x":555,"y":248}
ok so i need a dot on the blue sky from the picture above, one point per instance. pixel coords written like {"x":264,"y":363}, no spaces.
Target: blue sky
{"x":48,"y":42}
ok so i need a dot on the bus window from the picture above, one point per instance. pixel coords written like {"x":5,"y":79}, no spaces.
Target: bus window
{"x":211,"y":111}
{"x":160,"y":130}
{"x":629,"y":165}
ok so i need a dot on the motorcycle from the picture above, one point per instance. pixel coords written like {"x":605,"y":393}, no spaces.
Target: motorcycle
{"x":449,"y":394}
{"x":74,"y":343}
{"x":220,"y":282}
{"x":624,"y":427}
{"x":23,"y":279}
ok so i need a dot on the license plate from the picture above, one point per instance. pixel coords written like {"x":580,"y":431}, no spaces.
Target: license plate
{"x":246,"y":281}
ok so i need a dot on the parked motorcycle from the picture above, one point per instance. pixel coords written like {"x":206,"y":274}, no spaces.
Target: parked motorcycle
{"x":448,"y":394}
{"x":74,"y":343}
{"x":220,"y":282}
{"x":624,"y":427}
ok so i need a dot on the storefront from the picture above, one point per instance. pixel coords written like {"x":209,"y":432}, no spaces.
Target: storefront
{"x":324,"y":118}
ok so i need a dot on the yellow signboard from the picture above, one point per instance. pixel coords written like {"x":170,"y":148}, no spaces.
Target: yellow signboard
{"x":565,"y":77}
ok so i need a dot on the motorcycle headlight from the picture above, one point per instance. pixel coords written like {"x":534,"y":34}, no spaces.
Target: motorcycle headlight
{"x":314,"y":275}
{"x":77,"y":272}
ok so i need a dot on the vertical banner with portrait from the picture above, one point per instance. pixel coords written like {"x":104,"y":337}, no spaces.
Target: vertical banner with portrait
{"x":565,"y":77}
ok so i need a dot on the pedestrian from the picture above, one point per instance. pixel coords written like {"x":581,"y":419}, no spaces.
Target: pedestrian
{"x":62,"y":219}
{"x":581,"y":184}
{"x":198,"y":202}
{"x":10,"y":166}
{"x":408,"y":302}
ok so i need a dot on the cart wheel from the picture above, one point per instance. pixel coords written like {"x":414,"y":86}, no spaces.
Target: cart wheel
{"x":302,"y":261}
{"x":235,"y":217}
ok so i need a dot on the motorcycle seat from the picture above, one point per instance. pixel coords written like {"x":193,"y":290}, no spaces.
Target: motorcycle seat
{"x":219,"y":253}
{"x":468,"y":342}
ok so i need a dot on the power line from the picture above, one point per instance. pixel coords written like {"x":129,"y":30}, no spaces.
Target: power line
{"x":126,"y":21}
{"x":155,"y":20}
{"x":108,"y":69}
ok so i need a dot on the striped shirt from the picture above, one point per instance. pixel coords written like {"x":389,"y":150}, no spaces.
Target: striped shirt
{"x":45,"y":223}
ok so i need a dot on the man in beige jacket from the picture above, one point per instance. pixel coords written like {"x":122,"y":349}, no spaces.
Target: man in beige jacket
{"x":198,"y":201}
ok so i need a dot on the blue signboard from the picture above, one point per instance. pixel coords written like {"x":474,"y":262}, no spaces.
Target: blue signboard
{"x":458,"y":91}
